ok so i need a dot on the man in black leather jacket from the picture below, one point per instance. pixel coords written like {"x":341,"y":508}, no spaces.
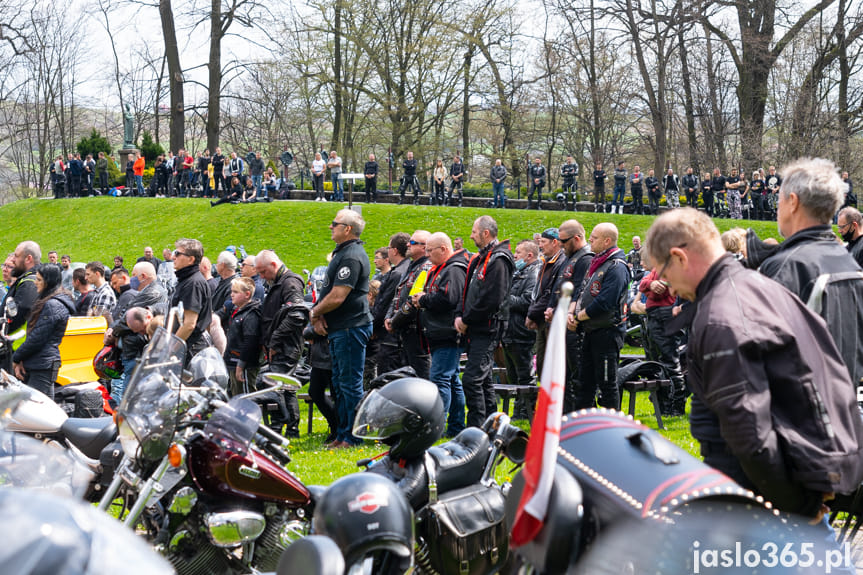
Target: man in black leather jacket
{"x":810,"y":193}
{"x":283,"y":318}
{"x":482,"y":316}
{"x":518,"y":340}
{"x":773,"y":405}
{"x":437,"y":308}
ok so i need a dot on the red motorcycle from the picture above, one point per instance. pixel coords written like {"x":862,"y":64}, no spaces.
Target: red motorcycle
{"x":200,"y":475}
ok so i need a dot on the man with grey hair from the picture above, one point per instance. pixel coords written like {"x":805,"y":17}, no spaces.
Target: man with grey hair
{"x":401,"y":320}
{"x":483,"y":315}
{"x":343,"y":315}
{"x":22,"y":294}
{"x":850,"y":223}
{"x":247,"y":270}
{"x":811,"y":263}
{"x":151,"y":296}
{"x":226,"y":267}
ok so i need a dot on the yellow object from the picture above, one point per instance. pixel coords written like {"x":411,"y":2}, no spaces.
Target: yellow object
{"x":419,"y":283}
{"x":82,"y":341}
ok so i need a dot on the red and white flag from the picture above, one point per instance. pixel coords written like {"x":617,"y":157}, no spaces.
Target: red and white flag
{"x":541,"y":455}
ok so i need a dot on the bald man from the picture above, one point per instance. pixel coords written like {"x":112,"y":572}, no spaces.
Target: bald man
{"x":600,"y":316}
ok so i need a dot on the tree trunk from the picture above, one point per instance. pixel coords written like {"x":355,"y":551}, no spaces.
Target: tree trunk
{"x":178,"y":118}
{"x":465,"y":111}
{"x":718,"y":128}
{"x":214,"y":92}
{"x":337,"y":75}
{"x":688,"y":104}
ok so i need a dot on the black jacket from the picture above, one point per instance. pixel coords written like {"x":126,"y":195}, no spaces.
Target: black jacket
{"x":133,"y":343}
{"x":855,"y":248}
{"x":537,"y":172}
{"x":574,"y":270}
{"x":690,"y":181}
{"x":489,"y":277}
{"x":42,"y":345}
{"x":764,"y":366}
{"x":603,"y":294}
{"x":439,"y":304}
{"x":403,"y":314}
{"x":244,"y":336}
{"x":371,"y":168}
{"x":545,"y":286}
{"x":386,"y":293}
{"x":222,"y":304}
{"x":24,"y":293}
{"x":797,"y":264}
{"x":520,"y":296}
{"x":283,"y":315}
{"x":319,"y":349}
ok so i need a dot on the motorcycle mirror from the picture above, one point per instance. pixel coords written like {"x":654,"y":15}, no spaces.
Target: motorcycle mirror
{"x":281,"y":380}
{"x":516,"y":448}
{"x":10,"y":401}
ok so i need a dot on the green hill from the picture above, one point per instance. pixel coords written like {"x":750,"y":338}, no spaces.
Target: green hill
{"x":100,"y":228}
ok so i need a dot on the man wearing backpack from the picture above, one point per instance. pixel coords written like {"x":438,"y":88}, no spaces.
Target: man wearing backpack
{"x":810,"y":258}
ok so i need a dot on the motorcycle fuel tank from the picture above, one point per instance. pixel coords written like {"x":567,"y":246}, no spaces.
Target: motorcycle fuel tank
{"x":221,"y":466}
{"x":39,"y":414}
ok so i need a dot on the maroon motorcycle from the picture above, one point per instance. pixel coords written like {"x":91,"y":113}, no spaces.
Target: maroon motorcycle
{"x":199,"y":474}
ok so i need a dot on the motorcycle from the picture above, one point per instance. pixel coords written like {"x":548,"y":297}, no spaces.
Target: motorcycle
{"x":203,"y":478}
{"x":451,"y":487}
{"x":84,"y":438}
{"x":626,"y":500}
{"x":46,"y":530}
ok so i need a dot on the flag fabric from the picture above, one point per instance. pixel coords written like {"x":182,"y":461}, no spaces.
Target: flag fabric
{"x":545,"y":434}
{"x":419,"y":283}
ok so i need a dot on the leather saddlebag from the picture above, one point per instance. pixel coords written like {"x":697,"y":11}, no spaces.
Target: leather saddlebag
{"x":466,"y":531}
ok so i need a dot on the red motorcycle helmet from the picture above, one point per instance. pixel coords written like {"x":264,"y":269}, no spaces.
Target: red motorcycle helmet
{"x":107,"y":364}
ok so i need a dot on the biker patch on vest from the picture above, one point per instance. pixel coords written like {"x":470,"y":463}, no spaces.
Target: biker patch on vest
{"x":596,"y":284}
{"x":344,"y":273}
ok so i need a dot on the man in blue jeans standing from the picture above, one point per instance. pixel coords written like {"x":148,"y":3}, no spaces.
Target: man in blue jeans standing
{"x":438,"y":304}
{"x":343,"y":314}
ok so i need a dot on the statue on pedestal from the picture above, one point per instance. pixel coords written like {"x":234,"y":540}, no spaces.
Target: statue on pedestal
{"x":128,"y":128}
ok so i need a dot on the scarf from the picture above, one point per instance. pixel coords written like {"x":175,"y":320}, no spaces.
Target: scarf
{"x":601,"y":259}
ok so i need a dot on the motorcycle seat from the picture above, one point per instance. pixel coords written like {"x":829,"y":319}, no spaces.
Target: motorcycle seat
{"x":461,"y":460}
{"x":90,"y":434}
{"x":458,"y":463}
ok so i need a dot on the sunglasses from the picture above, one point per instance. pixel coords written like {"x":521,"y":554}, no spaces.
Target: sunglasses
{"x":416,"y":243}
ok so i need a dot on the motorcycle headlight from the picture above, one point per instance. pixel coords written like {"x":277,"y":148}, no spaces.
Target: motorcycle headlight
{"x":127,"y":438}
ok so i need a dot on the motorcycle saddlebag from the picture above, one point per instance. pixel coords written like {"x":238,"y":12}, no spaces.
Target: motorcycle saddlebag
{"x":466,"y":531}
{"x":626,"y":469}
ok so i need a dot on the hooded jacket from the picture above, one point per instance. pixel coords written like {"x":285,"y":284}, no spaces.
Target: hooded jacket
{"x":244,"y":336}
{"x":517,"y":303}
{"x":442,"y":297}
{"x":283,"y":315}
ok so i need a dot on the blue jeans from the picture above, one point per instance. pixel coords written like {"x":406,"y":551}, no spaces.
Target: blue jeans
{"x":139,"y":182}
{"x":455,"y":420}
{"x":444,"y":365}
{"x":118,"y":386}
{"x":617,"y":198}
{"x":499,"y":196}
{"x":348,"y":353}
{"x":257,"y":181}
{"x":338,"y":191}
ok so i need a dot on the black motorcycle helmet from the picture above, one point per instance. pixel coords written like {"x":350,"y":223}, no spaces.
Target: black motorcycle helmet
{"x":367,"y":515}
{"x":407,"y":414}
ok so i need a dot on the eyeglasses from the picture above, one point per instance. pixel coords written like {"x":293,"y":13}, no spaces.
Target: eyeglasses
{"x":430,"y":250}
{"x":845,"y":225}
{"x":668,"y":261}
{"x":247,"y":265}
{"x":334,"y":223}
{"x":416,"y":243}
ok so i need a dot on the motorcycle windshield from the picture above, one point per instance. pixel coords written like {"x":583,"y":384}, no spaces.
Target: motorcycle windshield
{"x":151,"y":400}
{"x":208,"y":368}
{"x":238,"y":420}
{"x":379,"y":418}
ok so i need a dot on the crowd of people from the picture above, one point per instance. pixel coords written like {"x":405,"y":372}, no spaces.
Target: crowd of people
{"x":228,"y":179}
{"x":773,"y":356}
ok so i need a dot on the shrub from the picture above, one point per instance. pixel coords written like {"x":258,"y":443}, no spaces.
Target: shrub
{"x":150,"y":149}
{"x":93,"y":144}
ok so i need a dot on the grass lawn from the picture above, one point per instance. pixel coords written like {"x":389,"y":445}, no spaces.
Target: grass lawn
{"x":100,"y":228}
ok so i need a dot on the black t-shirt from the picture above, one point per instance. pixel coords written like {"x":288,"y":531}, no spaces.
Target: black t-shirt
{"x":350,"y":267}
{"x":773,"y":182}
{"x":707,"y":187}
{"x":194,"y":291}
{"x":732,"y":180}
{"x":218,"y":161}
{"x":718,"y":183}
